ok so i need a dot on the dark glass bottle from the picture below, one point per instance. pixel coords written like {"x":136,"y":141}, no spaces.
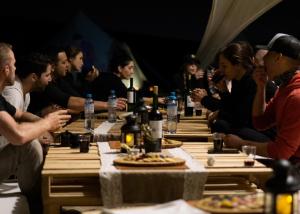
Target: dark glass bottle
{"x":141,"y":112}
{"x":131,"y":96}
{"x":188,"y":103}
{"x":156,"y":119}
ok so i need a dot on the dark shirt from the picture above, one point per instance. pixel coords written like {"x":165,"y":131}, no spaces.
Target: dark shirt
{"x":214,"y":104}
{"x":6,"y":106}
{"x":105,"y":83}
{"x":237,"y":106}
{"x":57,"y":92}
{"x":78,"y":83}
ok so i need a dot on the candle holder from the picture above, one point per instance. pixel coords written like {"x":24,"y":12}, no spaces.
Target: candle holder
{"x":282,"y":190}
{"x":131,"y":133}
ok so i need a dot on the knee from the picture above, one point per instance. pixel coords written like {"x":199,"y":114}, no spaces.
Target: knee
{"x":35,"y":151}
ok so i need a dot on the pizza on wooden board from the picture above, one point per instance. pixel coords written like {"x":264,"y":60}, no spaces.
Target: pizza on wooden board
{"x":232,"y":203}
{"x":151,"y":159}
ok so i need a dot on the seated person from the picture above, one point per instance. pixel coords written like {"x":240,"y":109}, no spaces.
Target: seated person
{"x":61,"y":93}
{"x":234,"y":116}
{"x":78,"y":79}
{"x":281,"y":63}
{"x":20,"y":152}
{"x":121,"y":66}
{"x":33,"y":74}
{"x":191,"y":66}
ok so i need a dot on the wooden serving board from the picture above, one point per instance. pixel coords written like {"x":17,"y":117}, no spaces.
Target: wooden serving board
{"x":123,"y":162}
{"x":202,"y":204}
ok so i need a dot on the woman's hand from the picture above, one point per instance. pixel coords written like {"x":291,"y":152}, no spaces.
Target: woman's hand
{"x":233,"y":141}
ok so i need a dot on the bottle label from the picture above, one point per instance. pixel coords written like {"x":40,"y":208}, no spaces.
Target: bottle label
{"x":130,"y":97}
{"x":156,"y":127}
{"x":189,"y":101}
{"x":172,"y":110}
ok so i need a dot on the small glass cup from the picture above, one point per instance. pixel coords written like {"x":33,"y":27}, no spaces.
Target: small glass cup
{"x":218,"y":142}
{"x":250,"y":151}
{"x":84,"y":143}
{"x":198,"y":108}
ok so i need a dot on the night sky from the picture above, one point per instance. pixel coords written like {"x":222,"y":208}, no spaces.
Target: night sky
{"x":158,"y":36}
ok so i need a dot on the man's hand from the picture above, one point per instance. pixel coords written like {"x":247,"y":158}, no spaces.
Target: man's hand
{"x":198,"y":94}
{"x":49,"y":109}
{"x":46,"y":138}
{"x":121,"y":103}
{"x":57,"y":119}
{"x":260,"y":76}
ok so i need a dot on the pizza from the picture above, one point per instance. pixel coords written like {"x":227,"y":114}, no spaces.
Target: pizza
{"x":149,"y":159}
{"x":252,"y":203}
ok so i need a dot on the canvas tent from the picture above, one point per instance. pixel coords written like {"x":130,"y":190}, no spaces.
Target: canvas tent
{"x":227,"y":19}
{"x":95,"y":43}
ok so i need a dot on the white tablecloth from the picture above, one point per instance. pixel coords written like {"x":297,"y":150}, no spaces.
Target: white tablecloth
{"x":160,"y":185}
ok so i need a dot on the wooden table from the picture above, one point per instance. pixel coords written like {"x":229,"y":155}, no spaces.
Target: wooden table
{"x":228,"y":168}
{"x":191,"y":130}
{"x":70,"y":177}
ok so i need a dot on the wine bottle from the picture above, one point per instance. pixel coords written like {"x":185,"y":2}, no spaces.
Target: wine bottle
{"x":188,"y":103}
{"x":156,"y":121}
{"x":131,"y":96}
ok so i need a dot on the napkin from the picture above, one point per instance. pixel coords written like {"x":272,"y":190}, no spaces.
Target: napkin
{"x":177,"y":206}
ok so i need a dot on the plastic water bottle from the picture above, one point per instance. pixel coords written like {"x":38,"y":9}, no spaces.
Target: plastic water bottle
{"x":172,"y":113}
{"x":89,"y":112}
{"x":112,"y":104}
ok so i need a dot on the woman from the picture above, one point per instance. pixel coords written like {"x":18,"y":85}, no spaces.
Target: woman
{"x":120,"y":67}
{"x":77,"y":79}
{"x":237,"y":62}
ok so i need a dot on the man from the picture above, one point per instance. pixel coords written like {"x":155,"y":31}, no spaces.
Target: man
{"x":61,"y":92}
{"x":281,"y":62}
{"x":33,"y":74}
{"x":20,"y":154}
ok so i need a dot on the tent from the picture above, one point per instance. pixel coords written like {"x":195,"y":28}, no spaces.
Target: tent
{"x":95,"y":43}
{"x":227,"y":19}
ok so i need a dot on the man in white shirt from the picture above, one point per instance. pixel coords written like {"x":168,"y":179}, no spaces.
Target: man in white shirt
{"x":33,"y":74}
{"x":20,"y":153}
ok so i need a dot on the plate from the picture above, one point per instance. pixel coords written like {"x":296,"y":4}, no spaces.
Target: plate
{"x":231,"y":203}
{"x":155,"y":160}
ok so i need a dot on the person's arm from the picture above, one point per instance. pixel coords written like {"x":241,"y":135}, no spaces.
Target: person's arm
{"x":26,"y":116}
{"x":21,"y":133}
{"x":77,"y":103}
{"x":259,"y":102}
{"x":234,"y":141}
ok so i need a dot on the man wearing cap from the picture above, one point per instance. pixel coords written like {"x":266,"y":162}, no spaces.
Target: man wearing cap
{"x":281,"y":63}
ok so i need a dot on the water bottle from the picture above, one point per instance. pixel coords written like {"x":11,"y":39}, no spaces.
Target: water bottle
{"x":89,"y":112}
{"x":112,"y":104}
{"x":172,"y":113}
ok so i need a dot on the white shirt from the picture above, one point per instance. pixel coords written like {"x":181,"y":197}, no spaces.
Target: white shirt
{"x":15,"y":96}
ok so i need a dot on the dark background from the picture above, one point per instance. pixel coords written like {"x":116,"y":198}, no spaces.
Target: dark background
{"x":159,"y":37}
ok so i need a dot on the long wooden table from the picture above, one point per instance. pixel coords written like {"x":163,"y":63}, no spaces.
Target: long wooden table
{"x":72,"y":178}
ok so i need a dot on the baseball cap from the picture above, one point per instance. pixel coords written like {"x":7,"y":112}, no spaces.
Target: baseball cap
{"x":284,"y":43}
